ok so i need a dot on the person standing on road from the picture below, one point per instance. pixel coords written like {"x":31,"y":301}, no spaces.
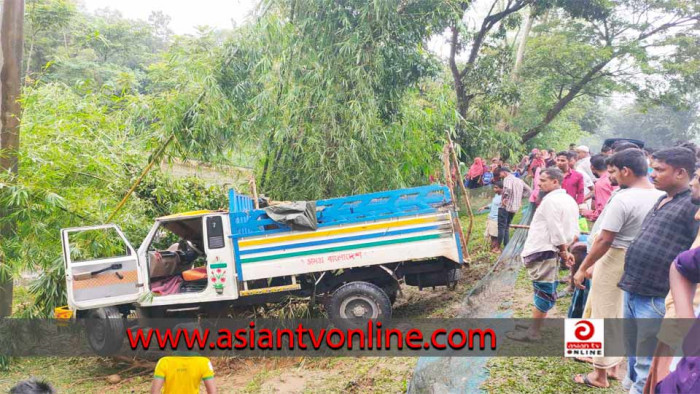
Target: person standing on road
{"x":183,"y":372}
{"x":573,"y":180}
{"x":554,"y":227}
{"x":602,"y":190}
{"x":514,"y":189}
{"x":583,"y":164}
{"x":617,"y":226}
{"x":668,"y":229}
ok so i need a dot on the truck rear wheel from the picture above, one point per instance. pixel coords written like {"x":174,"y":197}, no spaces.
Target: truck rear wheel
{"x":105,"y":330}
{"x":356,"y":302}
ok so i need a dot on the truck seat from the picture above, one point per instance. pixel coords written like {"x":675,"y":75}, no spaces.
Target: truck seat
{"x":195,"y":274}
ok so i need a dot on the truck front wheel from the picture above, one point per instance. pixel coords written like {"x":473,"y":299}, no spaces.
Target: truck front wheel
{"x":105,"y":330}
{"x":356,"y":302}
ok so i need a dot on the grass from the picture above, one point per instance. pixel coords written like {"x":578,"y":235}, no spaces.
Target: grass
{"x":71,"y":375}
{"x":22,"y":298}
{"x":538,"y":374}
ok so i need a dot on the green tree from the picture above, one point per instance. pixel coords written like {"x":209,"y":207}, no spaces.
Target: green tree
{"x":45,"y":17}
{"x":319,"y":86}
{"x":615,"y":51}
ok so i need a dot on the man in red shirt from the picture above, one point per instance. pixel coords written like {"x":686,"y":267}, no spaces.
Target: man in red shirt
{"x":573,"y":180}
{"x":602,"y":190}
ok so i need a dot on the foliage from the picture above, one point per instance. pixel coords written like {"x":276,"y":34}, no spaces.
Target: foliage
{"x":78,"y":157}
{"x":44,"y":19}
{"x":321,"y":86}
{"x":620,"y":50}
{"x":91,"y":50}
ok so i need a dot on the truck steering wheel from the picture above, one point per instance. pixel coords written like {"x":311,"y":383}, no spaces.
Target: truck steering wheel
{"x":196,"y":249}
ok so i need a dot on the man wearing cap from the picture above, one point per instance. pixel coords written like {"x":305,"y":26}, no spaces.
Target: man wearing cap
{"x":583,"y":164}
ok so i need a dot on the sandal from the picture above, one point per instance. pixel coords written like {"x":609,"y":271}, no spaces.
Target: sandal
{"x":585,"y":380}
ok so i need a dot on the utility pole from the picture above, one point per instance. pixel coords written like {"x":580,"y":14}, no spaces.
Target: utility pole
{"x":11,"y":44}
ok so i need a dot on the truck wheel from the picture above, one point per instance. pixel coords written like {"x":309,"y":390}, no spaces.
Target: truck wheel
{"x":105,"y":330}
{"x":356,"y":302}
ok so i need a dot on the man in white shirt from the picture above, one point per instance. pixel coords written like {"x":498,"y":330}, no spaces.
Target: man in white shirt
{"x":554,"y":227}
{"x":583,"y":164}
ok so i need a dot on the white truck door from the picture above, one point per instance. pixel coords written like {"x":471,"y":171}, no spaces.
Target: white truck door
{"x":102,"y":268}
{"x":221,"y":262}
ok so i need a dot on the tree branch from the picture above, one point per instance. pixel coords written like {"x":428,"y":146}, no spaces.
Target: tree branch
{"x":667,"y":26}
{"x":564,"y":101}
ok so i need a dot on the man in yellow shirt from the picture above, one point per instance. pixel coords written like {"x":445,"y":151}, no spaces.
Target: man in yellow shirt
{"x":182,"y":375}
{"x":183,"y":372}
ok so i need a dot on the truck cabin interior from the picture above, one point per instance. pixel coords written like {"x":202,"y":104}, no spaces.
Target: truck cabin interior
{"x":176,"y":259}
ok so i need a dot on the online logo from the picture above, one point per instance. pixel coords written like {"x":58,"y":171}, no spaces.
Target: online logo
{"x":583,"y":337}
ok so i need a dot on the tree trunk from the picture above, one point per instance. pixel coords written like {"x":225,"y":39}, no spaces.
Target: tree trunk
{"x":462,"y":104}
{"x":11,"y":43}
{"x":521,"y":46}
{"x":464,"y":98}
{"x":564,"y":101}
{"x":504,"y":125}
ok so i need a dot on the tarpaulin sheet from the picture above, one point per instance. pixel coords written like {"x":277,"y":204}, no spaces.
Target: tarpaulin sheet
{"x":299,"y":215}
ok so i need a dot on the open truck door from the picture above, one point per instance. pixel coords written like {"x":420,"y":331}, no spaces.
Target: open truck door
{"x":102,"y":268}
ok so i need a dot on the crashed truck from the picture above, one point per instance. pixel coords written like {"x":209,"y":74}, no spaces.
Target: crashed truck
{"x":349,"y":252}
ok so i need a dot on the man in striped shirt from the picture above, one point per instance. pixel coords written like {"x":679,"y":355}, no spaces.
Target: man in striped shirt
{"x":513,"y":192}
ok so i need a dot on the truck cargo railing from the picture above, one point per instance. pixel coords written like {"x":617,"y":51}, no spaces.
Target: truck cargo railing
{"x":246,"y":222}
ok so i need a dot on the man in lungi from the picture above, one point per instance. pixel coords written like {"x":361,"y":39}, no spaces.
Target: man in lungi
{"x":616,"y":228}
{"x":554,"y":227}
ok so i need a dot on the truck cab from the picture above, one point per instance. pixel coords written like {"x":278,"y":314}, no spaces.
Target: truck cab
{"x":184,"y":257}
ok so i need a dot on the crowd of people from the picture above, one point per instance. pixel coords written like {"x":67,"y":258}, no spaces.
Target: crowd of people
{"x":637,"y":263}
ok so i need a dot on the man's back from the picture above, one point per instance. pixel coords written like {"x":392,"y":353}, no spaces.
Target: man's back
{"x":183,"y":374}
{"x":513,"y":190}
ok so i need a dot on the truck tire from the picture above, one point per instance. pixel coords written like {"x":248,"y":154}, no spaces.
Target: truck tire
{"x":352,"y":304}
{"x":105,"y":330}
